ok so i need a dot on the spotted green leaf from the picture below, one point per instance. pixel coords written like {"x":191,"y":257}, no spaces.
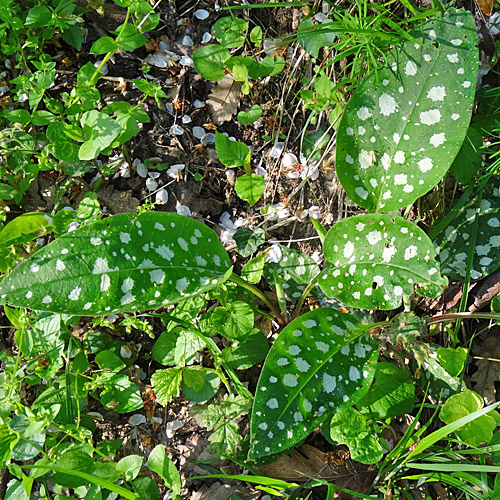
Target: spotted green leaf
{"x":405,"y":124}
{"x":319,"y":363}
{"x":454,"y":241}
{"x":126,"y":262}
{"x":294,"y":270}
{"x":375,"y":259}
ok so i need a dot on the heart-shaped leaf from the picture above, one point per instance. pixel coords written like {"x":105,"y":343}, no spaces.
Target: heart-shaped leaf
{"x":100,"y":130}
{"x":250,"y":187}
{"x":376,"y":259}
{"x":319,"y":363}
{"x":209,"y":61}
{"x":454,"y":240}
{"x":405,"y":124}
{"x":246,"y":117}
{"x":126,"y":262}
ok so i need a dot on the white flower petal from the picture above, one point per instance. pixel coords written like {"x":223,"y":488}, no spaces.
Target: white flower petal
{"x":161,"y":196}
{"x":201,"y":14}
{"x":137,"y":419}
{"x":199,"y":132}
{"x":151,"y":184}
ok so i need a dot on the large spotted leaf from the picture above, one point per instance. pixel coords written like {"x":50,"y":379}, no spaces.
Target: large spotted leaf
{"x":320,"y":363}
{"x":405,"y":124}
{"x":375,"y":259}
{"x":453,"y":241}
{"x":126,"y":262}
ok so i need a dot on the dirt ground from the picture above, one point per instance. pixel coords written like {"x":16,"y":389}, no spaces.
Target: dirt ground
{"x":173,"y":137}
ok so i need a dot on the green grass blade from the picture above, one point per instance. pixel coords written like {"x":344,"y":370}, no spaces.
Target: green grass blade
{"x":129,"y":495}
{"x":448,"y":479}
{"x":453,"y":467}
{"x":447,"y":429}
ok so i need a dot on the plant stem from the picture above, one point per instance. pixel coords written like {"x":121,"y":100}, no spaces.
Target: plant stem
{"x":258,"y":293}
{"x":109,"y":55}
{"x":463,"y":315}
{"x":303,"y":297}
{"x":215,"y":351}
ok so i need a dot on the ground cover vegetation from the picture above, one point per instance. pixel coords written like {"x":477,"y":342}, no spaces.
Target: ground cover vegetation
{"x":363,"y":367}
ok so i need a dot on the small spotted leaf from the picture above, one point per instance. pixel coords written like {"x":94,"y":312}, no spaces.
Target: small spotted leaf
{"x":377,"y":258}
{"x":320,"y":363}
{"x":295,"y":270}
{"x":127,"y":262}
{"x":404,"y":125}
{"x":454,"y":241}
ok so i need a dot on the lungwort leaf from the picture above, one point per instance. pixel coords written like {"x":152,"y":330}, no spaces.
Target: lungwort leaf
{"x":319,"y":363}
{"x":376,"y":259}
{"x":454,"y":241}
{"x":292,"y":269}
{"x":405,"y":124}
{"x":126,"y":262}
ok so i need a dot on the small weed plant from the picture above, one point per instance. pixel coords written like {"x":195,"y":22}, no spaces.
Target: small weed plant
{"x":399,"y":135}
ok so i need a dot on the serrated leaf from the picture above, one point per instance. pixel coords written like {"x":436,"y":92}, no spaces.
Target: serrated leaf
{"x":295,"y":270}
{"x":319,"y":363}
{"x":405,"y":124}
{"x":234,"y":321}
{"x":229,"y":31}
{"x":377,"y":258}
{"x":219,"y":417}
{"x":351,"y":428}
{"x":126,"y":262}
{"x":454,"y":240}
{"x":167,"y":384}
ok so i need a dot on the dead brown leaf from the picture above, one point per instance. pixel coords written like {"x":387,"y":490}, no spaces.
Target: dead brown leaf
{"x":218,"y":491}
{"x":308,"y":461}
{"x":487,"y":370}
{"x":224,"y":99}
{"x":486,"y":6}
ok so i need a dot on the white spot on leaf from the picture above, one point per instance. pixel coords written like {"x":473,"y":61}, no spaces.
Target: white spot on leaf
{"x":387,"y":104}
{"x":437,"y":93}
{"x":410,"y":68}
{"x":75,"y":293}
{"x":363,"y":113}
{"x":425,"y":165}
{"x":437,"y":139}
{"x":430,"y":117}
